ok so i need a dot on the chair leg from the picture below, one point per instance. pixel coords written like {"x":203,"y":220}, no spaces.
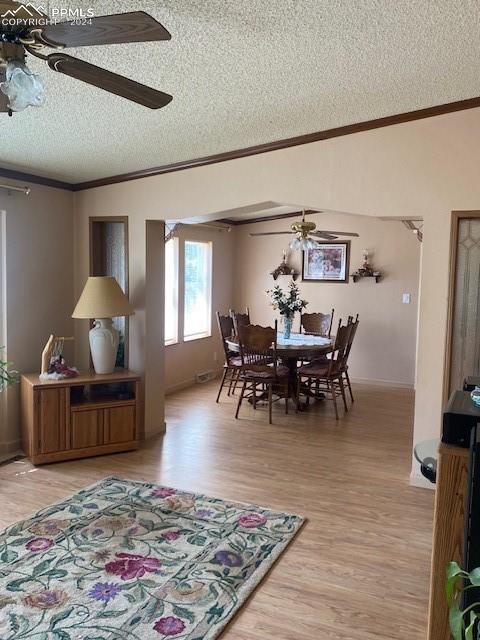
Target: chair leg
{"x":309,"y":390}
{"x":232,"y":379}
{"x":287,"y":393}
{"x":237,"y":380}
{"x":221,"y":384}
{"x":349,"y":385}
{"x":342,"y":390}
{"x":331,"y":386}
{"x":240,"y":398}
{"x":270,"y":402}
{"x":254,"y":388}
{"x":297,"y":393}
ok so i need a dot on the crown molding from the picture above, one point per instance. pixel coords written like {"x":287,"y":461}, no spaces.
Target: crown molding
{"x":367,"y":125}
{"x":22,"y":176}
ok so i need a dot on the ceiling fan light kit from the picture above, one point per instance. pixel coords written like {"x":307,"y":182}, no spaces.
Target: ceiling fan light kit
{"x":306,"y":234}
{"x":24,"y":29}
{"x":22,"y":87}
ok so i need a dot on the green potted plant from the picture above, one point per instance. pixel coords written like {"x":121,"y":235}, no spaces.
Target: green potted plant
{"x":287,"y":304}
{"x":463,"y":623}
{"x":8,"y":376}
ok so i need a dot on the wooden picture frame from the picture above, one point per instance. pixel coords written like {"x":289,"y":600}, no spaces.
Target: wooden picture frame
{"x":329,"y":262}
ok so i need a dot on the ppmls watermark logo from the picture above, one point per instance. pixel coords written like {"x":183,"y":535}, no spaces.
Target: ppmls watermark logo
{"x":37,"y":15}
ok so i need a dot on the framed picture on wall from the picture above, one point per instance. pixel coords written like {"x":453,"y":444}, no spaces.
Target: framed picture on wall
{"x":329,"y":262}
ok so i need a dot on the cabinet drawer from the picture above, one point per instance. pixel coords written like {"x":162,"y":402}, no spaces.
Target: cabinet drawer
{"x":119,"y":424}
{"x":51,"y":420}
{"x":87,"y":429}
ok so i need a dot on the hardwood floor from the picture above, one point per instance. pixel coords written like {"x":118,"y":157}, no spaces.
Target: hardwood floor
{"x":359,"y":568}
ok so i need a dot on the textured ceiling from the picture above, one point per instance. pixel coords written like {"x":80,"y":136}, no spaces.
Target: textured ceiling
{"x":245,"y":72}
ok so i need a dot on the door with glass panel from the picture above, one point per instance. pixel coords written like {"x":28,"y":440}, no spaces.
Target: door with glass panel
{"x":463,"y":352}
{"x":109,"y":257}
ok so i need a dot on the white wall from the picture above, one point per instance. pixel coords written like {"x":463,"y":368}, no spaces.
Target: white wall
{"x":37,"y":259}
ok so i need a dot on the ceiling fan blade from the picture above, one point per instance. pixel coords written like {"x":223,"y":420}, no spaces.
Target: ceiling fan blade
{"x":136,"y":26}
{"x":324,"y":236}
{"x":108,"y":81}
{"x":272,"y":233}
{"x":337,"y":233}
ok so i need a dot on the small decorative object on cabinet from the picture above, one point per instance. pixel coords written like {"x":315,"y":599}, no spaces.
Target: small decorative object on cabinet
{"x":284,"y":270}
{"x":79,"y":417}
{"x":103,"y":299}
{"x":366,"y":270}
{"x":54,"y":366}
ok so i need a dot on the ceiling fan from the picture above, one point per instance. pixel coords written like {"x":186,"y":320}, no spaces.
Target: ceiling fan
{"x":27,"y":29}
{"x":306,"y":234}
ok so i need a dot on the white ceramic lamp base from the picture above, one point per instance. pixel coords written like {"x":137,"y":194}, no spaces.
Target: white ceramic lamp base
{"x":103,"y":345}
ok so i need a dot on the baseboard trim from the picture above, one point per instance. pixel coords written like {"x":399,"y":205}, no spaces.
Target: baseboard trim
{"x":9,"y":447}
{"x":417,"y":480}
{"x":384,"y":383}
{"x":179,"y":386}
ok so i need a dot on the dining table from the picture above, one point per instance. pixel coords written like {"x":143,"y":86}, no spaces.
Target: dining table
{"x":299,"y":346}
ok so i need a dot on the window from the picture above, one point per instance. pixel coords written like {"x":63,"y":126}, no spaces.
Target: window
{"x":198,"y":290}
{"x":171,"y":291}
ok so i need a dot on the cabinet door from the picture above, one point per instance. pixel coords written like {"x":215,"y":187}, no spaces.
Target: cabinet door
{"x":119,"y":424}
{"x":87,"y":428}
{"x":52,"y":420}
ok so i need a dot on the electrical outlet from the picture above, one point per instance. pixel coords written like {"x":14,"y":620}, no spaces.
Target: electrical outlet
{"x":406,"y":298}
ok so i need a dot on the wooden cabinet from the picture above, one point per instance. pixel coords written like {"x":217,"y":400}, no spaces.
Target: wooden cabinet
{"x":448,"y":531}
{"x":79,"y":417}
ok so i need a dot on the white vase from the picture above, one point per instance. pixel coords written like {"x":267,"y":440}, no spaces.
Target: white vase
{"x":103,"y":345}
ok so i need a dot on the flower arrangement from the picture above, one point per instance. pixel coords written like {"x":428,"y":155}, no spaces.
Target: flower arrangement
{"x":8,"y":376}
{"x":287,"y":303}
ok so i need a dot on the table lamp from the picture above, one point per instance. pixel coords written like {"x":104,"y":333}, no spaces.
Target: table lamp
{"x":103,"y":299}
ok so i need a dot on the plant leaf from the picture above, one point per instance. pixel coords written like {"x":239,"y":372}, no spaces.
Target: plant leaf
{"x":456,"y":621}
{"x":474,"y":577}
{"x":471,"y":626}
{"x":453,"y":572}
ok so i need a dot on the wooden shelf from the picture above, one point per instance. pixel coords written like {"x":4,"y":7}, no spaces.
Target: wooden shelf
{"x":358,"y":276}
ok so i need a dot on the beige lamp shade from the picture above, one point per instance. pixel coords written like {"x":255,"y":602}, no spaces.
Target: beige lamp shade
{"x":102,"y":297}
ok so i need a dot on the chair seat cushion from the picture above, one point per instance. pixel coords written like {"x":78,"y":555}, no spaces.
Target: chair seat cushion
{"x":282,"y":372}
{"x":235,"y":361}
{"x":318,"y":370}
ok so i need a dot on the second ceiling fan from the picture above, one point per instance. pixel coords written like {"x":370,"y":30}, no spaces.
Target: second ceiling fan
{"x":306,"y":234}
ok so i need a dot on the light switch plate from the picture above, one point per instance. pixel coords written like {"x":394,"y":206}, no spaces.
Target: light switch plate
{"x":406,"y":298}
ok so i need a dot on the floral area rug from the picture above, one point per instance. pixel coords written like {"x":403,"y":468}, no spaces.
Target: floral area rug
{"x":124,"y":560}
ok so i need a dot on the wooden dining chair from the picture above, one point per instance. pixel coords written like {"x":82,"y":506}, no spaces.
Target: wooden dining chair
{"x":233,"y":362}
{"x":317,"y":324}
{"x":240,"y":319}
{"x":327,"y":376}
{"x":260,"y":366}
{"x":353,"y":330}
